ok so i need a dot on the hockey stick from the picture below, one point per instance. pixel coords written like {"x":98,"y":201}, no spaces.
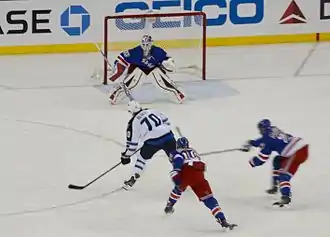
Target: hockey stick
{"x":219,"y":152}
{"x":104,"y":57}
{"x":121,"y":84}
{"x":77,"y":187}
{"x":178,"y":130}
{"x":211,"y":152}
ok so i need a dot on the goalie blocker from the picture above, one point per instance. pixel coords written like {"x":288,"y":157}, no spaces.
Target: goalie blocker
{"x":144,"y":60}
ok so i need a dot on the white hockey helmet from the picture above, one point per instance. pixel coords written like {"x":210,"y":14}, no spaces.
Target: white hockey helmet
{"x":146,"y":44}
{"x":133,"y":107}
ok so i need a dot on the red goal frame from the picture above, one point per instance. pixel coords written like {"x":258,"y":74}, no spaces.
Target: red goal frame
{"x":149,"y":15}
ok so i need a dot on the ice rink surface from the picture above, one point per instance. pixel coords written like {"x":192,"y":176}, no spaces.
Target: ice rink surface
{"x":57,"y":129}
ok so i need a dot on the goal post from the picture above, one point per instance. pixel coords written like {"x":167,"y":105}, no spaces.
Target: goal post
{"x":182,"y":34}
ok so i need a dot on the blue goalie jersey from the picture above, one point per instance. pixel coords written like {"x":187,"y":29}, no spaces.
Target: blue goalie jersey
{"x":275,"y":140}
{"x":135,"y":57}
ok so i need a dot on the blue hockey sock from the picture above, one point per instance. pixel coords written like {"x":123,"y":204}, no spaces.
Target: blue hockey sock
{"x":175,"y":195}
{"x":276,"y":170}
{"x":285,"y":186}
{"x":212,"y":204}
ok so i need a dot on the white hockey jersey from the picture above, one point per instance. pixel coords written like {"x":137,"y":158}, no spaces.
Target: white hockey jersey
{"x":144,"y":125}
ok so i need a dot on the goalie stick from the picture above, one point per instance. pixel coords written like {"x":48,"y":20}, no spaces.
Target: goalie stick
{"x":121,"y":84}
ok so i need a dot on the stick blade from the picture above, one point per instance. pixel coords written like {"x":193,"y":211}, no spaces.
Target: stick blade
{"x":72,"y":186}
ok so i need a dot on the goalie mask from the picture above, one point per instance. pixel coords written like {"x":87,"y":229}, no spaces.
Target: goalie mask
{"x":146,"y":44}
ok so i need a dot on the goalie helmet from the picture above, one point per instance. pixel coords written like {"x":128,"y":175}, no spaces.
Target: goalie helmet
{"x":133,"y":107}
{"x":264,"y":125}
{"x":146,"y":44}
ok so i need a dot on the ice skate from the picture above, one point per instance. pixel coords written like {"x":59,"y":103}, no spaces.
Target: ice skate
{"x":129,"y":183}
{"x":169,"y":208}
{"x":285,"y":201}
{"x":225,"y":224}
{"x":272,"y":190}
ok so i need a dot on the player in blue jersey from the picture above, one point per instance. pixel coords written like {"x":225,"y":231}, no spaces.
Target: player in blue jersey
{"x":291,"y":153}
{"x":188,"y":171}
{"x":134,"y":65}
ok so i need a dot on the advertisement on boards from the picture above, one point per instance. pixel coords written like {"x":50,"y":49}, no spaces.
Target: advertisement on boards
{"x":74,"y":20}
{"x":325,"y":10}
{"x":293,"y":15}
{"x":19,"y":22}
{"x":219,"y":12}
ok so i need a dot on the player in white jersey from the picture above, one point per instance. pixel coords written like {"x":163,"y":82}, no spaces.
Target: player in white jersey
{"x":151,"y":130}
{"x":134,"y":65}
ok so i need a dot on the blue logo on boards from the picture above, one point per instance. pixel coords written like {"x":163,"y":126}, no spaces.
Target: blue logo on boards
{"x":66,"y":17}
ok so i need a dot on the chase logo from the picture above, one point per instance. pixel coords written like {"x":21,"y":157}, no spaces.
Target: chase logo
{"x":75,"y":12}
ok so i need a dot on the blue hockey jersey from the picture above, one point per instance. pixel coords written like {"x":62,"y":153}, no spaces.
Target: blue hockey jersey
{"x":135,"y":56}
{"x":275,"y":140}
{"x":183,"y":157}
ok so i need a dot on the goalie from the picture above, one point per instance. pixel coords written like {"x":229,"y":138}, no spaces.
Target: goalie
{"x":135,"y":64}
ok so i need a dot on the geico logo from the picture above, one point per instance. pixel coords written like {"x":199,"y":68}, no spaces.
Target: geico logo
{"x":17,"y":23}
{"x":214,"y":7}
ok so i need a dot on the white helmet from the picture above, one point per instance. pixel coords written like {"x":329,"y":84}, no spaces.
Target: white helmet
{"x":133,"y":107}
{"x":146,"y":44}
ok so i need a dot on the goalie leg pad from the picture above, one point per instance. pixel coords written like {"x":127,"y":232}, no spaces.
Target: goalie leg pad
{"x":166,"y":84}
{"x":132,"y":80}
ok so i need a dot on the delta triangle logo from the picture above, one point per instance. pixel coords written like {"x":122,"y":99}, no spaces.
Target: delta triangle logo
{"x":293,"y":15}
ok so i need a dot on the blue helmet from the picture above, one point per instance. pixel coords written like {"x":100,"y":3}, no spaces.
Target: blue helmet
{"x":264,"y":125}
{"x":182,"y":142}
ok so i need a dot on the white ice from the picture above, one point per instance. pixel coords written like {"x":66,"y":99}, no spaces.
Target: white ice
{"x":57,"y":129}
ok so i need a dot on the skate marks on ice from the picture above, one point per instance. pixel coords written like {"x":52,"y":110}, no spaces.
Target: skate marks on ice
{"x":60,"y":206}
{"x":195,"y":91}
{"x":63,"y":127}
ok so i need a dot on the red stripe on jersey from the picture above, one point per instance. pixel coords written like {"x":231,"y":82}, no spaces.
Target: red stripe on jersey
{"x":263,"y":157}
{"x":290,"y":146}
{"x":121,"y":59}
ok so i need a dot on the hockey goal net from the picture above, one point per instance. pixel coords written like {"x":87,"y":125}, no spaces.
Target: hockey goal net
{"x":182,"y":35}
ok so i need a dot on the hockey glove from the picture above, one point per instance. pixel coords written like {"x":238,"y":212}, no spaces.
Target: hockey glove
{"x":125,"y":159}
{"x":246,"y":146}
{"x":168,"y":65}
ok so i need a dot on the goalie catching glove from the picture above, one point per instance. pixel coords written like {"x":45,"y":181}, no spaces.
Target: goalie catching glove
{"x":168,"y":65}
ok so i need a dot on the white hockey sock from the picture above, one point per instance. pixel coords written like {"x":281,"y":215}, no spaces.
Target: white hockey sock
{"x":139,"y":165}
